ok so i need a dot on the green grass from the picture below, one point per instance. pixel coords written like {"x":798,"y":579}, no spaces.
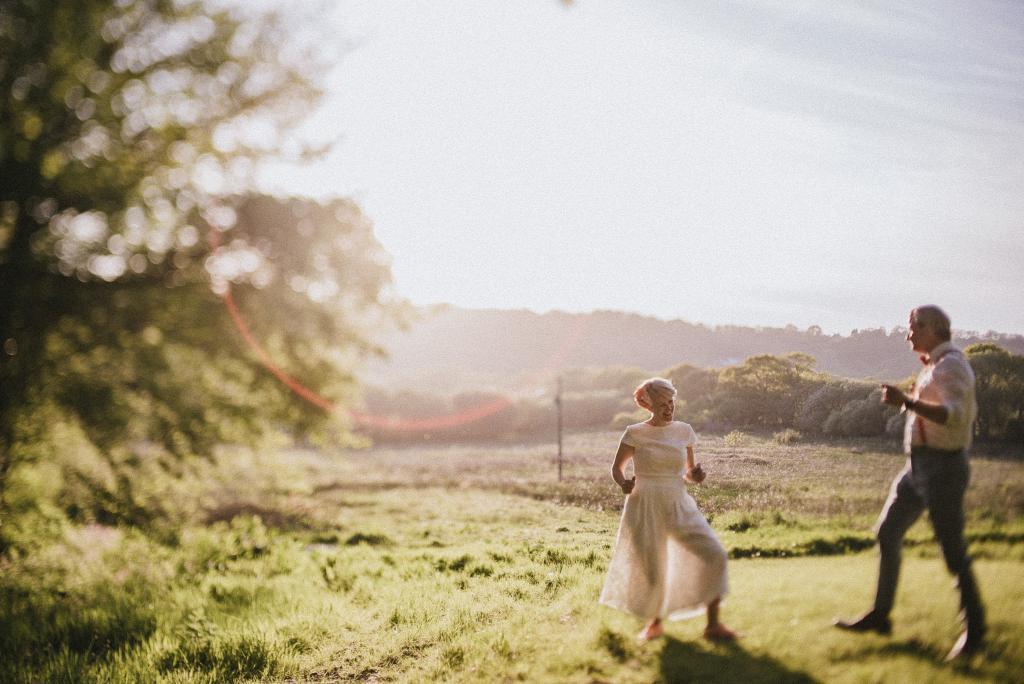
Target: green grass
{"x":473,"y":564}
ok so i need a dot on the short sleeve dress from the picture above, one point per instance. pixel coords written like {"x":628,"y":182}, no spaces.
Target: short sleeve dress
{"x":667,"y":561}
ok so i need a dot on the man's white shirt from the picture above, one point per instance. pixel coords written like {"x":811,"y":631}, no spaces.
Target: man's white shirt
{"x":946,"y":379}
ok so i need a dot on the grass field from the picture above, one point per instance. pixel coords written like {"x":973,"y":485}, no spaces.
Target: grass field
{"x":473,"y":563}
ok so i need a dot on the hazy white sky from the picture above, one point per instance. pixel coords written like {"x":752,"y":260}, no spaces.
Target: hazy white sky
{"x":761,"y":162}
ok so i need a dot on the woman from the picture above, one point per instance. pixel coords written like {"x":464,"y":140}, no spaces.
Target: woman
{"x":667,"y":564}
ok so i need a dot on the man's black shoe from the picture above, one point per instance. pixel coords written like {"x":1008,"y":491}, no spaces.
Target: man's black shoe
{"x":967,"y":644}
{"x":869,"y":622}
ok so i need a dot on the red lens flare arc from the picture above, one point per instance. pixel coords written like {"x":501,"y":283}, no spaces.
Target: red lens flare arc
{"x":430,"y":424}
{"x":452,"y":420}
{"x":291,"y":383}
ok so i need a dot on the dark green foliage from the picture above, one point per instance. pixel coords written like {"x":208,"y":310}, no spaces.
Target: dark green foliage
{"x":696,"y":387}
{"x":48,"y":609}
{"x":830,"y":397}
{"x":125,"y":144}
{"x":104,"y":621}
{"x":844,"y":408}
{"x":814,"y":547}
{"x":109,"y":119}
{"x":763,"y":391}
{"x":860,"y":418}
{"x":1000,"y":387}
{"x":146,"y":373}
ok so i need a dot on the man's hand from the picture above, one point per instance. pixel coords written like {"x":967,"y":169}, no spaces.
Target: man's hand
{"x":627,"y":486}
{"x":695,"y":474}
{"x":893,"y":395}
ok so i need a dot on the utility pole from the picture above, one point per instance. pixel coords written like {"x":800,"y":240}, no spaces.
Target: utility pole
{"x":558,"y":405}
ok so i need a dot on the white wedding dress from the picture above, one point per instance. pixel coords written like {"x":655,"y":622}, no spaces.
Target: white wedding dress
{"x":667,"y":561}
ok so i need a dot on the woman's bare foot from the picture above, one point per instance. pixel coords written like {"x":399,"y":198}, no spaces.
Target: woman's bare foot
{"x":653,"y":630}
{"x":719,"y":632}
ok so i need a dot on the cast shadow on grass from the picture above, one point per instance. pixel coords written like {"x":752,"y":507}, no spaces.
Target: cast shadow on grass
{"x":914,"y":648}
{"x":683,"y":662}
{"x":998,"y":660}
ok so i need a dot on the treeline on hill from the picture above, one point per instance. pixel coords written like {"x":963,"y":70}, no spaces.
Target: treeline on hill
{"x":771,"y":393}
{"x":460,"y":349}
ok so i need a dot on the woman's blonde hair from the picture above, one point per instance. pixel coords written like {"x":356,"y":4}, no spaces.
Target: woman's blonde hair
{"x":642,"y":394}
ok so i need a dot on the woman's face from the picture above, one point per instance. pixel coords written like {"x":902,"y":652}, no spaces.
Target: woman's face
{"x":663,"y":406}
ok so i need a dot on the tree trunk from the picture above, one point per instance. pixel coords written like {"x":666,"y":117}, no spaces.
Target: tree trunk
{"x":26,"y":297}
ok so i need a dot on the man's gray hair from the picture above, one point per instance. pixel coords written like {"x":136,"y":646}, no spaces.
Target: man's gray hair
{"x":935,"y":318}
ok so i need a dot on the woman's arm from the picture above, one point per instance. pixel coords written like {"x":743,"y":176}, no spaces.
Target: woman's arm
{"x":622,"y":457}
{"x":694,"y":473}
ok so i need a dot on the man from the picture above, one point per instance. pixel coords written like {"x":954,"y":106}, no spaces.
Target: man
{"x":939,"y":425}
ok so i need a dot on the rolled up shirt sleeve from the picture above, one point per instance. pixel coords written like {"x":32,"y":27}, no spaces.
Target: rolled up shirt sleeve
{"x":953,"y":385}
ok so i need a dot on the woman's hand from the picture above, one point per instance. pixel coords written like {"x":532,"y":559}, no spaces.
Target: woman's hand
{"x":695,"y":474}
{"x":622,"y":457}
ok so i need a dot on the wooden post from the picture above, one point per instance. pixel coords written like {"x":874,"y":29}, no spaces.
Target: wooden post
{"x":558,"y":405}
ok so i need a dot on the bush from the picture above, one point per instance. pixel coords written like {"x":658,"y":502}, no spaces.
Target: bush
{"x":845,"y":408}
{"x":825,"y":400}
{"x":894,"y":425}
{"x":787,"y":436}
{"x":860,"y":418}
{"x":621,"y":420}
{"x":736,"y":438}
{"x":590,"y":409}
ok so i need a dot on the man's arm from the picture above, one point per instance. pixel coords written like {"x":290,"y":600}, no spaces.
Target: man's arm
{"x":929,"y":410}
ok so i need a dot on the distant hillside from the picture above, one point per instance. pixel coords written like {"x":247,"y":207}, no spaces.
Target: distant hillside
{"x":454,"y":349}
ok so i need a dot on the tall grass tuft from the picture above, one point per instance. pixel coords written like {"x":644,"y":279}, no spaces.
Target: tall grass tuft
{"x":787,"y":436}
{"x":738,"y":438}
{"x":231,"y":658}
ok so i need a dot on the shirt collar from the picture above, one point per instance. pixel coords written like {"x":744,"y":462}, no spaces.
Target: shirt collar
{"x":938,"y":352}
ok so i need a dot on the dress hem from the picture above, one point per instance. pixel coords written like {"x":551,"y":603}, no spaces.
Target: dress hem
{"x":673,"y":615}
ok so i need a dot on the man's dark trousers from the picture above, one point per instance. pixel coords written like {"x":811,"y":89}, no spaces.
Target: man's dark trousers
{"x":933,"y":479}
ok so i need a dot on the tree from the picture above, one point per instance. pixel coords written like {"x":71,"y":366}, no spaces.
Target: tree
{"x":764,"y":391}
{"x":999,"y":388}
{"x":128,"y":134}
{"x":696,"y":387}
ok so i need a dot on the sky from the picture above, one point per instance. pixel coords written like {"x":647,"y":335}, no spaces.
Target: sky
{"x":764,"y":163}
